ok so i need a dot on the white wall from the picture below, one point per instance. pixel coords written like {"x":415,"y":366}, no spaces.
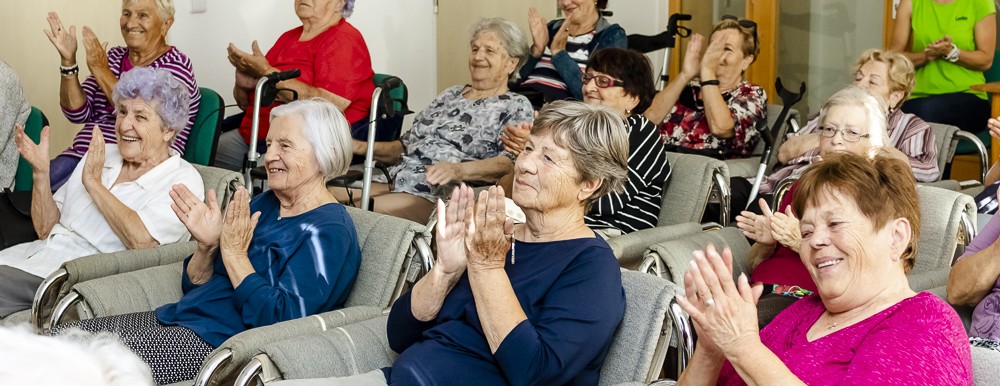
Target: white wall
{"x":644,"y":17}
{"x":399,"y":34}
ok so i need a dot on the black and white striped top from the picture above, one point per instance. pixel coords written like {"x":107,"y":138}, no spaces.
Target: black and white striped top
{"x":638,"y":207}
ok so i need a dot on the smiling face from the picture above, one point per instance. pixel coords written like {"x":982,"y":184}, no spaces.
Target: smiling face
{"x":489,"y":63}
{"x":290,"y":161}
{"x":141,"y":25}
{"x":578,"y":11}
{"x":140,"y":133}
{"x":847,"y":119}
{"x":614,"y":97}
{"x":545,"y":177}
{"x":846,"y":257}
{"x":874,"y":76}
{"x":733,"y":62}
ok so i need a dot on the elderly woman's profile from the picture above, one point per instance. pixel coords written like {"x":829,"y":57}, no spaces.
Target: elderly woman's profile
{"x":288,"y":253}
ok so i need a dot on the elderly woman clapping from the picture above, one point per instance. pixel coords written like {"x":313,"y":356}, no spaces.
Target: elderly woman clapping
{"x":334,"y":63}
{"x":116,"y":199}
{"x":860,"y":225}
{"x":144,"y":25}
{"x":288,"y":253}
{"x":502,"y":298}
{"x":457,"y":137}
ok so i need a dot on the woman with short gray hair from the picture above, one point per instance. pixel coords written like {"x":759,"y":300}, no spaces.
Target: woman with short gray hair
{"x":457,"y":137}
{"x":288,"y":253}
{"x":534,"y":303}
{"x":116,"y":199}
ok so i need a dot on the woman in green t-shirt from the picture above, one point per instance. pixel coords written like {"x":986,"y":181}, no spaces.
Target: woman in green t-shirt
{"x":951,"y":43}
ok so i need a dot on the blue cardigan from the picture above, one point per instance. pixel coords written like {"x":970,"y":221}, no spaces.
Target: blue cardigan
{"x":572,"y":293}
{"x":304,"y":265}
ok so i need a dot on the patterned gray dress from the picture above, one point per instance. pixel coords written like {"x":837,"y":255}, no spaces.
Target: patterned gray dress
{"x":455,"y":129}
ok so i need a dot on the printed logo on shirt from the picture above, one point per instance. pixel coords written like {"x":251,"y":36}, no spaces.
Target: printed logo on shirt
{"x":962,"y":18}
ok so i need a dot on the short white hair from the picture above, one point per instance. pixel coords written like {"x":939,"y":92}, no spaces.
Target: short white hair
{"x":327,"y":129}
{"x":73,"y":358}
{"x":164,"y":8}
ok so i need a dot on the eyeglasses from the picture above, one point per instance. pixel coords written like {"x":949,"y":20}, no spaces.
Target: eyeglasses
{"x":744,"y":23}
{"x":848,"y":134}
{"x":602,"y":81}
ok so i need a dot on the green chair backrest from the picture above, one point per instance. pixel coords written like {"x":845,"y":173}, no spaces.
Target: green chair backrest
{"x":33,"y":128}
{"x":204,"y":135}
{"x":399,"y":94}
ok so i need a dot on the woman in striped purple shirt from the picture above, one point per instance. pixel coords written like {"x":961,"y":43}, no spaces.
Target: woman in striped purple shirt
{"x":144,"y":25}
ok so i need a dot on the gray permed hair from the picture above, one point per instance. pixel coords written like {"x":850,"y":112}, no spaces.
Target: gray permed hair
{"x":169,"y":96}
{"x":596,"y":137}
{"x":511,"y":37}
{"x":327,"y":129}
{"x":348,"y":9}
{"x":164,"y":8}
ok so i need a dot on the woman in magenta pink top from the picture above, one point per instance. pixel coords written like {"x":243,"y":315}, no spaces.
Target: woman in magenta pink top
{"x":860,"y":225}
{"x":854,"y":121}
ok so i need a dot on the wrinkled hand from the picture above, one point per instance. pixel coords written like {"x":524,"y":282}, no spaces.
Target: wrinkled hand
{"x":939,"y":48}
{"x":451,"y":228}
{"x":443,"y":173}
{"x":97,"y":52}
{"x":488,"y":231}
{"x":93,"y":166}
{"x":253,"y":64}
{"x":724,"y":312}
{"x":245,"y":82}
{"x":757,"y":226}
{"x":713,"y":54}
{"x":691,"y":66}
{"x":238,"y":226}
{"x":785,"y":229}
{"x":37,"y":155}
{"x":539,"y":32}
{"x":514,"y":137}
{"x":559,"y":41}
{"x":203,"y":221}
{"x":994,"y":125}
{"x":64,"y":40}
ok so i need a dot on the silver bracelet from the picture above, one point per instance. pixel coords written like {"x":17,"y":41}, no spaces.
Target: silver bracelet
{"x":953,"y":54}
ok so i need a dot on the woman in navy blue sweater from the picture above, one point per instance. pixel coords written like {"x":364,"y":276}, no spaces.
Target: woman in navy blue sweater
{"x":531,"y":304}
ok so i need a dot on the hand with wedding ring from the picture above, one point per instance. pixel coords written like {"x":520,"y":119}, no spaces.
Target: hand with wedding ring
{"x":757,"y":226}
{"x":724,"y":312}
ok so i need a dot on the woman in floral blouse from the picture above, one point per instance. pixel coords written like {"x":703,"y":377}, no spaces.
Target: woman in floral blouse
{"x":717,"y":115}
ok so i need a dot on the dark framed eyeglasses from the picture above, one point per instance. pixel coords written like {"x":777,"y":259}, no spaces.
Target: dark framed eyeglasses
{"x":848,"y":134}
{"x":602,"y":81}
{"x":744,"y":23}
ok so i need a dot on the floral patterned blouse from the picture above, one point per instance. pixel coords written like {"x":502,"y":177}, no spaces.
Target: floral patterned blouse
{"x":686,"y":129}
{"x":455,"y":129}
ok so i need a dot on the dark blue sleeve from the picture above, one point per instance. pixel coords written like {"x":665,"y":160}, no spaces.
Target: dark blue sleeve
{"x":569,"y":70}
{"x":319,"y":272}
{"x":403,"y":329}
{"x":582,"y":310}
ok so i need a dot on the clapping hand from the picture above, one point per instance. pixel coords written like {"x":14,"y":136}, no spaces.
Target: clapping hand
{"x":203,"y":221}
{"x":253,"y":64}
{"x":37,"y":155}
{"x":691,"y":67}
{"x":97,"y":52}
{"x":488,"y":231}
{"x":539,"y":32}
{"x":757,"y":226}
{"x":785,"y":229}
{"x":64,"y":40}
{"x":238,"y":226}
{"x":450,"y":237}
{"x":724,"y":311}
{"x":713,"y":54}
{"x":93,"y":166}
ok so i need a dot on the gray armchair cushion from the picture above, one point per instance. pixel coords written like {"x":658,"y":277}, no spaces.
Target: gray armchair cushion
{"x":941,"y":213}
{"x":636,"y":352}
{"x":690,"y":184}
{"x":631,"y":247}
{"x":985,"y":366}
{"x":385,"y":243}
{"x":16,"y":318}
{"x":929,"y":280}
{"x":677,"y":254}
{"x":353,"y":349}
{"x":138,"y":291}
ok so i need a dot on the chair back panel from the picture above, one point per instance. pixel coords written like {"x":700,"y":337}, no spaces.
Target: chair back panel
{"x":385,"y":242}
{"x":636,"y":352}
{"x":204,"y":135}
{"x":943,"y":137}
{"x":688,"y":187}
{"x":677,"y":254}
{"x":33,"y":128}
{"x":941,"y":213}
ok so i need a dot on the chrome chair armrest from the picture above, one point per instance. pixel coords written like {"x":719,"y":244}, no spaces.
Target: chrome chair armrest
{"x":725,"y":196}
{"x":252,"y":371}
{"x":685,"y":335}
{"x":984,"y":154}
{"x":211,"y":365}
{"x":43,"y":296}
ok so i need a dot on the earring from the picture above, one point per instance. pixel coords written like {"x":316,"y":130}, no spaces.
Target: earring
{"x":628,"y":111}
